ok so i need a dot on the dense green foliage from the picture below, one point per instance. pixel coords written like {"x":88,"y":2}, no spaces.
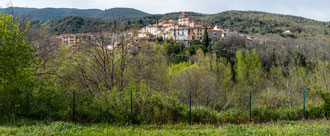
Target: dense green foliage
{"x":175,"y":50}
{"x":75,"y":25}
{"x":17,"y":67}
{"x":316,"y":128}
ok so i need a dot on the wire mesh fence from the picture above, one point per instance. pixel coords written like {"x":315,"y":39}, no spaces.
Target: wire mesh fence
{"x":146,"y":106}
{"x":137,"y":108}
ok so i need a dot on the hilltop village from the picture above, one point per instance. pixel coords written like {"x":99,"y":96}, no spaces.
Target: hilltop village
{"x":185,"y":29}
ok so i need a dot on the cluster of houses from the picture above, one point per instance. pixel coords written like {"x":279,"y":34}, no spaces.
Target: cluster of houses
{"x":184,"y":29}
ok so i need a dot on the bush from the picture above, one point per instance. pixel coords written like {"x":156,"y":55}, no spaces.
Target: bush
{"x":325,"y":95}
{"x":314,"y":112}
{"x":233,"y":116}
{"x":265,"y":114}
{"x":193,"y":49}
{"x":202,"y":115}
{"x":114,"y":107}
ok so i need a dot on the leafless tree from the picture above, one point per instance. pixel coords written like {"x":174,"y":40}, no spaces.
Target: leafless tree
{"x":102,"y":60}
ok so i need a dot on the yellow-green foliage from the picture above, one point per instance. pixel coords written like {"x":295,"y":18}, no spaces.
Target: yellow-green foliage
{"x":176,"y":68}
{"x":249,"y":74}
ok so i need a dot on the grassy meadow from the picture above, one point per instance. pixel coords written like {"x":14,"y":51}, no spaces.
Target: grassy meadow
{"x":36,"y":128}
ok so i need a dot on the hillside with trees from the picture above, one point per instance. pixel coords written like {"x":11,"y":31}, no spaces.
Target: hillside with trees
{"x":74,"y":24}
{"x":261,"y":23}
{"x":46,"y":14}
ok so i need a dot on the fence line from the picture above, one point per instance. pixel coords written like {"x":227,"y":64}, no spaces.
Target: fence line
{"x":190,"y":105}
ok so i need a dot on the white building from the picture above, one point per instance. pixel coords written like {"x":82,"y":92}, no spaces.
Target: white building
{"x":146,"y":34}
{"x":155,"y":30}
{"x":226,"y":33}
{"x":181,"y":33}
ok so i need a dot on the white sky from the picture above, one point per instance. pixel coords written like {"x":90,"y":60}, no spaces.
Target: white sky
{"x":314,"y":9}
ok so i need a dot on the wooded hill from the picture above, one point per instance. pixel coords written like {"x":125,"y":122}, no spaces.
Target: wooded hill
{"x":261,"y":23}
{"x":71,"y":24}
{"x":246,"y":22}
{"x":46,"y":14}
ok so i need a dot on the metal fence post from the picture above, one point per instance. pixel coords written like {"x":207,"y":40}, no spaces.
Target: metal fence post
{"x":132,"y":103}
{"x":304,"y":103}
{"x":27,"y":103}
{"x":190,"y":107}
{"x":74,"y":106}
{"x":250,"y":105}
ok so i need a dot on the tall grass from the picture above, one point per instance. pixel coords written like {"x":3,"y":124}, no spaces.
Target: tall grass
{"x":316,"y":128}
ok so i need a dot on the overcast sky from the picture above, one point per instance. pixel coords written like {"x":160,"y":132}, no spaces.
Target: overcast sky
{"x":314,"y":9}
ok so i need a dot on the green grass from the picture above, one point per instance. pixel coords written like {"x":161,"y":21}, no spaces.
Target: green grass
{"x":33,"y":128}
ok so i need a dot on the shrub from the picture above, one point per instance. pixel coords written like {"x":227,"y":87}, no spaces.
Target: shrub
{"x":234,"y":115}
{"x":314,"y":112}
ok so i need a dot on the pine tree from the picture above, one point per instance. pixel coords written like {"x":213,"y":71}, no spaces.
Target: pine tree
{"x":206,"y":40}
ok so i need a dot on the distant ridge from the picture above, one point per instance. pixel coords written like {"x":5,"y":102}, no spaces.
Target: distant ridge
{"x":45,"y":14}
